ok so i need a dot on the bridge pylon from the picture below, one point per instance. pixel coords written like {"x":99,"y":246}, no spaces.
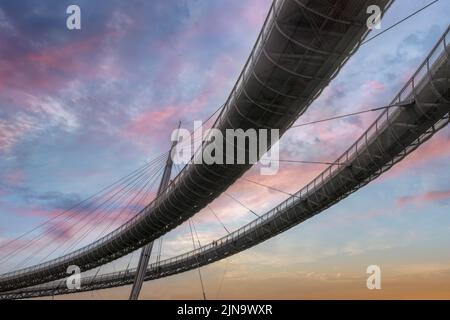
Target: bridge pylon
{"x":147,"y":249}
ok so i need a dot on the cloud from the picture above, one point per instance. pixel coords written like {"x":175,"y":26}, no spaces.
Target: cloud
{"x":373,"y":87}
{"x":14,"y":177}
{"x":423,"y":198}
{"x":43,"y":114}
{"x":436,"y":148}
{"x":12,"y":132}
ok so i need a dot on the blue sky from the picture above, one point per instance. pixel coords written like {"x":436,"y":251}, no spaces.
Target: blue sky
{"x":79,"y":109}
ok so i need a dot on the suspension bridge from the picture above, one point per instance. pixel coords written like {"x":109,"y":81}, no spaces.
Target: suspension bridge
{"x":302,"y":46}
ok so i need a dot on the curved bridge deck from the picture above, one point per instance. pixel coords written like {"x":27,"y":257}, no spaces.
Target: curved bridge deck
{"x":302,"y":46}
{"x":424,"y":108}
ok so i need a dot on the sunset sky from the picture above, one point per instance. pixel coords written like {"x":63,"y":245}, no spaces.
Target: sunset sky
{"x":80,"y":109}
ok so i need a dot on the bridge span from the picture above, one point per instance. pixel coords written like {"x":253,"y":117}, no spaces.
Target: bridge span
{"x":302,"y":46}
{"x":422,"y":108}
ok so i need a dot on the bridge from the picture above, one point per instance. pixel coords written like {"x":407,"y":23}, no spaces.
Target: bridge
{"x":300,"y":49}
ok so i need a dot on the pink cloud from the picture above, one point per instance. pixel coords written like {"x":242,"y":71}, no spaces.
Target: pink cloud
{"x":151,"y":122}
{"x":437,"y":147}
{"x":255,"y":12}
{"x":70,"y":59}
{"x":431,"y":196}
{"x":62,"y":233}
{"x":41,"y":70}
{"x":14,"y":177}
{"x":11,"y":132}
{"x":8,"y":245}
{"x":156,"y":123}
{"x":67,"y":226}
{"x":373,"y":85}
{"x":289,"y":179}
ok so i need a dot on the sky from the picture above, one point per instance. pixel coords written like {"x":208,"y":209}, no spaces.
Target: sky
{"x":82,"y":108}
